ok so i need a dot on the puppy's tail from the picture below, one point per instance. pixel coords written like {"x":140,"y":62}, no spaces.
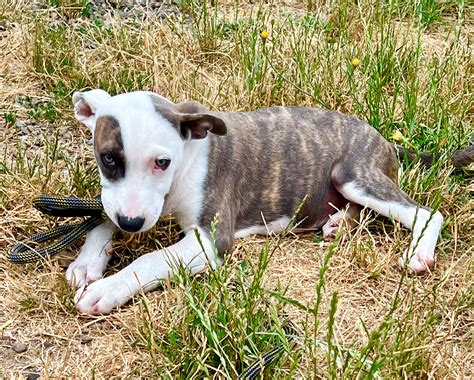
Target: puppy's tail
{"x":459,"y":159}
{"x":463,"y":157}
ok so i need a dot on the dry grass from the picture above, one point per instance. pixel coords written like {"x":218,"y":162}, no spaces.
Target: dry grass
{"x":424,"y":324}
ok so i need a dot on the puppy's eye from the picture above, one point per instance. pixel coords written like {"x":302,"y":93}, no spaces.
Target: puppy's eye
{"x":162,"y":163}
{"x":108,"y":160}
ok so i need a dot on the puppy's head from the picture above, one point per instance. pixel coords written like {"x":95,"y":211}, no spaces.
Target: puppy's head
{"x":139,"y":141}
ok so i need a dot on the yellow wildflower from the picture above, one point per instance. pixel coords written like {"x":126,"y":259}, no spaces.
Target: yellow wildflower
{"x":397,"y":136}
{"x":355,"y":62}
{"x":264,"y":35}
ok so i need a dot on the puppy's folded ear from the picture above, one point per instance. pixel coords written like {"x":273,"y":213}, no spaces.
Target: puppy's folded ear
{"x":197,"y":125}
{"x":86,"y":104}
{"x":196,"y":121}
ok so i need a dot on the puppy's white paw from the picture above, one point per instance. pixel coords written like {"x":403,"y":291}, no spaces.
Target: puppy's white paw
{"x":419,"y":262}
{"x":344,"y":219}
{"x":85,"y":269}
{"x":330,"y":229}
{"x":102,"y":296}
{"x":93,"y":258}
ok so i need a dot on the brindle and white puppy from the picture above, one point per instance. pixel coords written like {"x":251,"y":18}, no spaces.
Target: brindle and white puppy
{"x":251,"y":169}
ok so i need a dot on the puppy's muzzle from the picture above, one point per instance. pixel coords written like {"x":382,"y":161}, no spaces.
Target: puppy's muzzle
{"x":130,"y":225}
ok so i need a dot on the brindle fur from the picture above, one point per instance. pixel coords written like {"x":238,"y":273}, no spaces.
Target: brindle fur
{"x":290,"y":153}
{"x":463,"y":157}
{"x":271,"y":159}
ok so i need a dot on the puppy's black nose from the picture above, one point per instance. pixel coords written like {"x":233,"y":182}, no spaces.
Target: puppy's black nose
{"x":130,"y":225}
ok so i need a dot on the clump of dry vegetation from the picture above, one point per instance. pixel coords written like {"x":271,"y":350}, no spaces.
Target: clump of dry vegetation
{"x":405,"y":68}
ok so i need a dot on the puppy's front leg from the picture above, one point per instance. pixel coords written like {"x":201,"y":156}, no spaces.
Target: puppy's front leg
{"x":89,"y":266}
{"x":104,"y":295}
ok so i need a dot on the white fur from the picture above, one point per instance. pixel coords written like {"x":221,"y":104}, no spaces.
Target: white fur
{"x":425,"y":225}
{"x":273,"y":227}
{"x":89,"y":266}
{"x":337,"y":220}
{"x":143,"y":193}
{"x":104,"y":295}
{"x":186,"y":194}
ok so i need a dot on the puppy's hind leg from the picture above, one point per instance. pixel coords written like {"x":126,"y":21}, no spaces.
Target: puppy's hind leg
{"x":382,"y":195}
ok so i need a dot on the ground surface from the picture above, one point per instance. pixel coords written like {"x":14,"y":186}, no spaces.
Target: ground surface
{"x":413,"y":75}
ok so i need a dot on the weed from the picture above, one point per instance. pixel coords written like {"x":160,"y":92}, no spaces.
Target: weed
{"x":10,"y":118}
{"x":65,"y":295}
{"x":224,"y":320}
{"x":28,"y":303}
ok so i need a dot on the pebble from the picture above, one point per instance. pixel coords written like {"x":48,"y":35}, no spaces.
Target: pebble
{"x":19,"y":347}
{"x":86,"y":339}
{"x":25,"y":130}
{"x":47,"y":345}
{"x":36,"y":101}
{"x":20,"y":124}
{"x":32,"y":376}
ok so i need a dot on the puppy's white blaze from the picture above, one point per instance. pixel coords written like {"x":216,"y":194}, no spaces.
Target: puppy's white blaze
{"x":425,"y":225}
{"x":272,"y":227}
{"x":132,"y":208}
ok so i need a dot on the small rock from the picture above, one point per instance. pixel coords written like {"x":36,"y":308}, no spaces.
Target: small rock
{"x":25,"y":141}
{"x":20,"y":124}
{"x":32,"y":376}
{"x":36,"y":101}
{"x":19,"y":347}
{"x":47,"y":345}
{"x":91,"y":45}
{"x":86,"y":339}
{"x":22,"y":100}
{"x":25,"y":130}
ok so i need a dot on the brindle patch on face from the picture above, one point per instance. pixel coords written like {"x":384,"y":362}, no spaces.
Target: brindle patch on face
{"x":108,"y":141}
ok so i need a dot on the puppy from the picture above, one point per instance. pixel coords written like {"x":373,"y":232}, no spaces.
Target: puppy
{"x":251,"y":170}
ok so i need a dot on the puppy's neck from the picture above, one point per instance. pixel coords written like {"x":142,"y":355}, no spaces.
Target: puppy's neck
{"x":186,"y":194}
{"x":195,"y":155}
